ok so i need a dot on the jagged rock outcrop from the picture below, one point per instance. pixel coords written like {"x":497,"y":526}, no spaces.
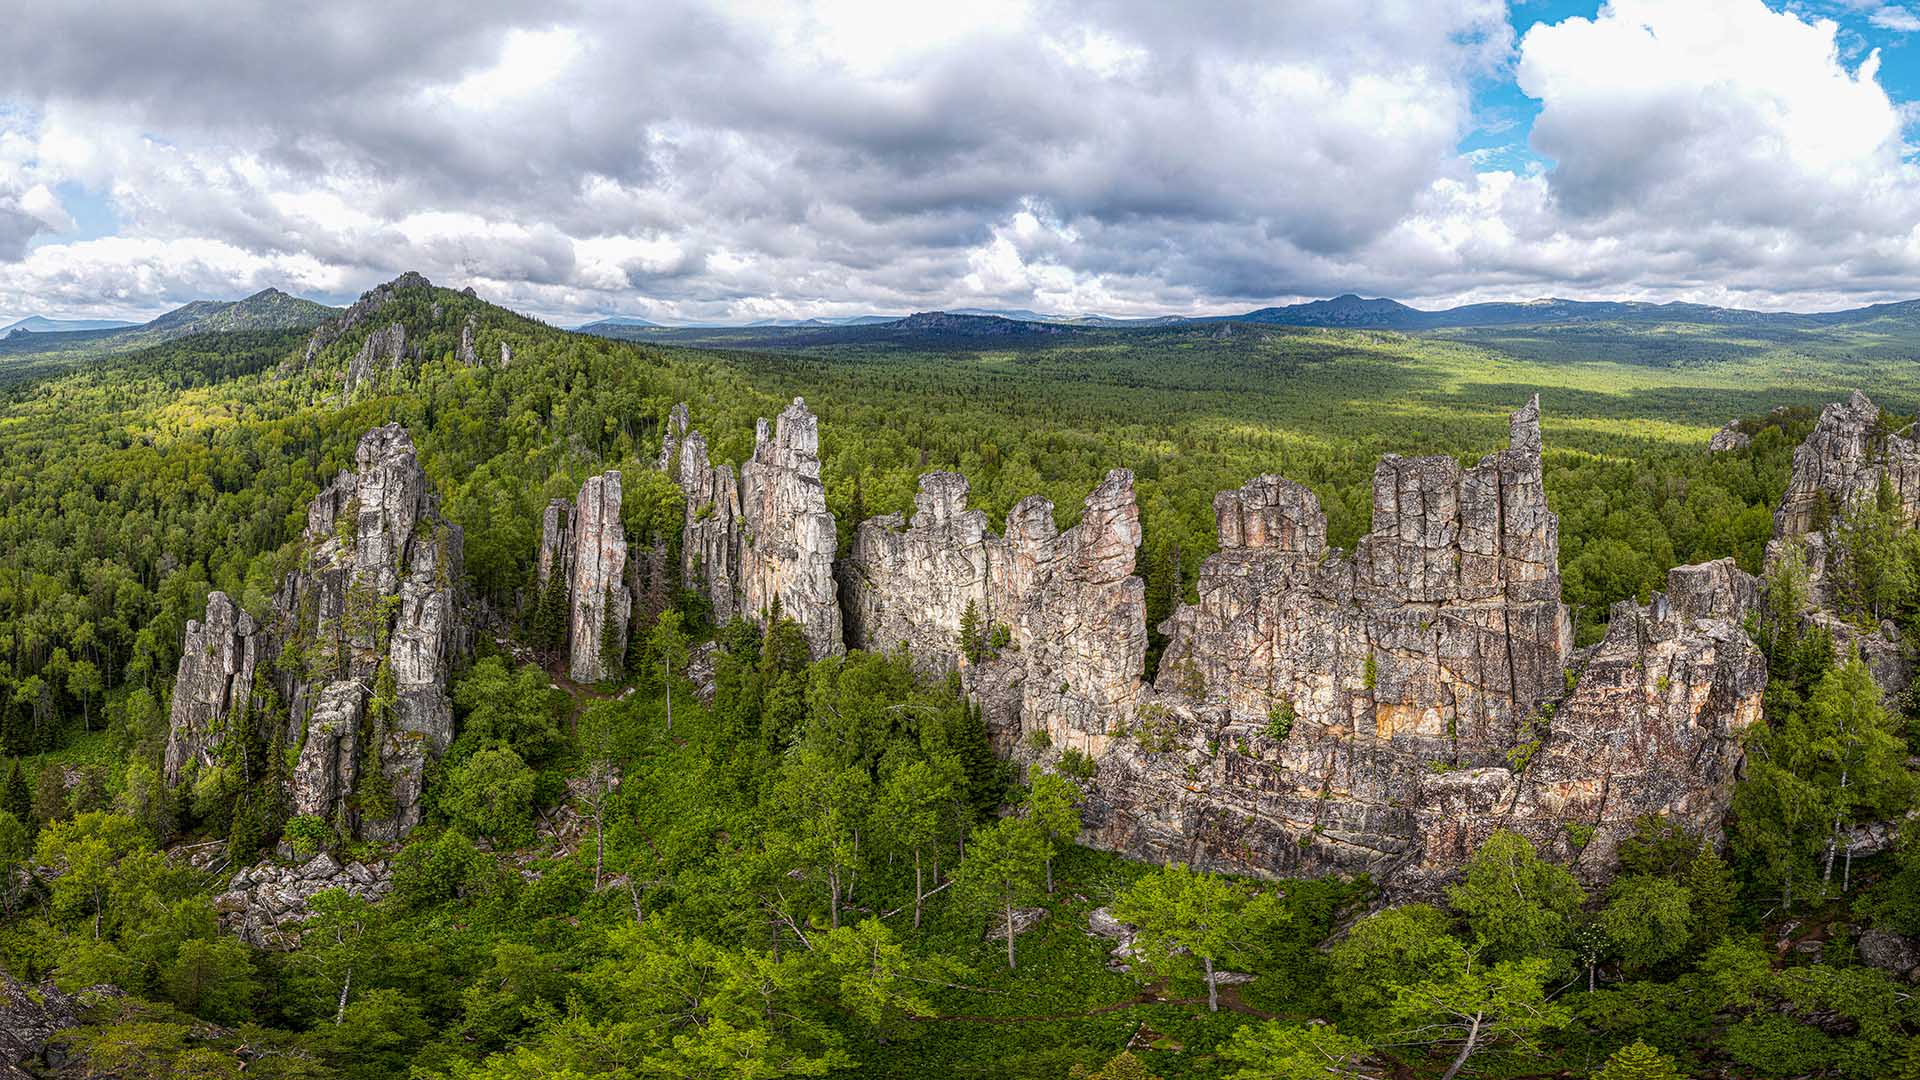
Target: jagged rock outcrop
{"x":1852,"y":457}
{"x":1068,"y":605}
{"x":583,"y":546}
{"x":765,"y":538}
{"x":266,"y":904}
{"x":218,"y":659}
{"x":384,"y":349}
{"x":467,"y":354}
{"x":30,"y":1016}
{"x":365,"y":633}
{"x":600,"y":603}
{"x":1729,"y":438}
{"x":376,"y":611}
{"x":1318,"y":711}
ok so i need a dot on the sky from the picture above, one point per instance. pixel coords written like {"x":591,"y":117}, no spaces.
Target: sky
{"x":684,"y":160}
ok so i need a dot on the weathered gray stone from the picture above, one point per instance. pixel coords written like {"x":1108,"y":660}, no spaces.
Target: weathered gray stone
{"x":1319,"y":712}
{"x":467,"y":353}
{"x":212,"y":686}
{"x":383,"y":348}
{"x":1891,"y":953}
{"x":29,"y":1018}
{"x":600,"y":602}
{"x":1845,"y":462}
{"x":1071,"y":610}
{"x":1729,"y":438}
{"x":374,"y":609}
{"x":266,"y":904}
{"x":765,"y":539}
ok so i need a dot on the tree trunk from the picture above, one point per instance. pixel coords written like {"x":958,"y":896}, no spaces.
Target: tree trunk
{"x":1473,"y":1036}
{"x":669,"y":697}
{"x":833,"y":895}
{"x":919,"y":893}
{"x":1009,"y":934}
{"x":1049,"y":875}
{"x":1213,"y":988}
{"x":346,"y":985}
{"x":599,"y":849}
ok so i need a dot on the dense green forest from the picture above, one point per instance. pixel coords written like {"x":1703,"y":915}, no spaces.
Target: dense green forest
{"x":817,"y":872}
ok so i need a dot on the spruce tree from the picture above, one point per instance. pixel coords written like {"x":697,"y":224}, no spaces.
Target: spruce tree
{"x":16,"y":797}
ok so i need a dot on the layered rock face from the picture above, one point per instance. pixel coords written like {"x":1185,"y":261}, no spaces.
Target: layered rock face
{"x":1845,"y":463}
{"x":218,"y":659}
{"x":367,"y":631}
{"x":384,"y":349}
{"x":1442,"y":631}
{"x":765,"y":538}
{"x":1072,"y":611}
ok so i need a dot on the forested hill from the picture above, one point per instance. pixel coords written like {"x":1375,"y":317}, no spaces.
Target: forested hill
{"x":730,"y":860}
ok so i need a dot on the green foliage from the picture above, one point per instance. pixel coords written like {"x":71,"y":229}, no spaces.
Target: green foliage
{"x":1280,"y":721}
{"x":1638,"y":1061}
{"x":1399,"y":946}
{"x":1182,"y":917}
{"x":490,"y":794}
{"x":517,"y":709}
{"x":1649,"y":919}
{"x":1279,"y":1051}
{"x":1517,"y":904}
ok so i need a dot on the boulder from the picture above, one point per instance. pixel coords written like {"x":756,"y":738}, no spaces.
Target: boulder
{"x":29,"y":1017}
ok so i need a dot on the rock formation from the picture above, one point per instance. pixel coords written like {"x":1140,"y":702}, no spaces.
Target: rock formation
{"x":366,"y":632}
{"x":764,"y":539}
{"x":30,"y":1016}
{"x":1320,"y":711}
{"x":217,"y":662}
{"x":384,"y":349}
{"x":467,"y":354}
{"x":1729,"y":438}
{"x":1851,"y":459}
{"x":1068,"y":605}
{"x":584,"y":546}
{"x":377,"y":603}
{"x":600,"y":603}
{"x":1317,"y":712}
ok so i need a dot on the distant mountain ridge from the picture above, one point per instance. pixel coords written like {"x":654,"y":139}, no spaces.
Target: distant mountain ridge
{"x":40,"y":324}
{"x":1352,"y":311}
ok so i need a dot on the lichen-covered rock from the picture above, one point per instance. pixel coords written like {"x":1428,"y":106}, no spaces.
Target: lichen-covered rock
{"x":217,"y":663}
{"x":555,"y":558}
{"x":1071,"y":610}
{"x":29,"y":1017}
{"x":910,"y":583}
{"x":764,"y":538}
{"x":1849,"y":454}
{"x":600,"y":604}
{"x":1729,"y":438}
